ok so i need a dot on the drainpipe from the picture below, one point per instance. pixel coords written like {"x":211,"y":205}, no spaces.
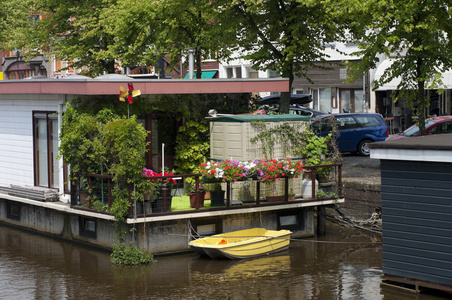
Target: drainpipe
{"x":191,"y":65}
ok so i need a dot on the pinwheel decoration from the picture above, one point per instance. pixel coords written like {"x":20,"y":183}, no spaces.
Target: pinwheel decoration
{"x":130,"y":93}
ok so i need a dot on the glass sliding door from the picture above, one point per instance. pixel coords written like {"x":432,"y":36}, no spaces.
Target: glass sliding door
{"x":352,"y":100}
{"x":359,"y":100}
{"x":322,"y":100}
{"x":346,"y":101}
{"x":325,"y":100}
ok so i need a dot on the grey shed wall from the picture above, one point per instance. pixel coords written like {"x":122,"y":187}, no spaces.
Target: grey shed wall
{"x":417,"y":220}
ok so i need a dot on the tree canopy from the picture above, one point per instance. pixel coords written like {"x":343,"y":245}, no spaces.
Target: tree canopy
{"x":287,"y":37}
{"x":14,"y":16}
{"x":416,"y":33}
{"x":145,"y":31}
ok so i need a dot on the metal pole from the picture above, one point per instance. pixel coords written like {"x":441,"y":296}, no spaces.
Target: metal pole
{"x":191,"y":65}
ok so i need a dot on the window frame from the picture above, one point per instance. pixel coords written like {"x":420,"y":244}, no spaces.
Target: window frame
{"x":51,"y":155}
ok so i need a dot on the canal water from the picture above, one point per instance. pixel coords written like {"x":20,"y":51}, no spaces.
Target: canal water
{"x":344,"y":264}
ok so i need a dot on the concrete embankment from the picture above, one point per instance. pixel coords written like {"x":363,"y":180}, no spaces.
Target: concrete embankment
{"x":361,"y":179}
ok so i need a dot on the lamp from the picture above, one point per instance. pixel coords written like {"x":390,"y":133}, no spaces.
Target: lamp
{"x":212,"y":113}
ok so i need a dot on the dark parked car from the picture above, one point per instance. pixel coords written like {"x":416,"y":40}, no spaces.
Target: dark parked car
{"x":356,"y":130}
{"x":294,"y":99}
{"x":296,"y":110}
{"x":435,"y":125}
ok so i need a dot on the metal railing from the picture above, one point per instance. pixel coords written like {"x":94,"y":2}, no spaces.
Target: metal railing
{"x":106,"y":190}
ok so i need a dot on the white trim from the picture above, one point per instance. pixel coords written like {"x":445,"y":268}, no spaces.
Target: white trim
{"x":412,"y":155}
{"x":225,"y":212}
{"x":58,"y":206}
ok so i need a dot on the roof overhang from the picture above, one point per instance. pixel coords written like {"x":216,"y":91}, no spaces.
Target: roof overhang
{"x":433,"y":148}
{"x":394,"y":83}
{"x":147,"y":87}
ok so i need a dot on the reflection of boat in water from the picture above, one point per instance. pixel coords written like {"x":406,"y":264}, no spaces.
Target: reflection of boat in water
{"x":243,"y":243}
{"x":265,"y":266}
{"x":219,"y":270}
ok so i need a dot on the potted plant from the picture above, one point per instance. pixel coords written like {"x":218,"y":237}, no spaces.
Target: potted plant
{"x":196,"y":197}
{"x":216,"y":194}
{"x":227,"y":170}
{"x":273,"y":170}
{"x":157,"y":195}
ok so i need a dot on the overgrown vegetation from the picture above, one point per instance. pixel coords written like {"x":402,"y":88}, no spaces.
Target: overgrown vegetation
{"x":108,"y":144}
{"x":130,"y":255}
{"x":192,"y":148}
{"x":299,"y":140}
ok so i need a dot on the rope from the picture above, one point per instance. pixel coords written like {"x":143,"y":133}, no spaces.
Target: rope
{"x":347,"y":220}
{"x":281,"y":238}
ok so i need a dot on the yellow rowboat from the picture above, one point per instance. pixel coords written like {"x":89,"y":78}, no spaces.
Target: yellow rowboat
{"x":243,"y":243}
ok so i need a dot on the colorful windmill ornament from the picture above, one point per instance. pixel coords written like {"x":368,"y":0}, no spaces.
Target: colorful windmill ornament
{"x":130,"y":93}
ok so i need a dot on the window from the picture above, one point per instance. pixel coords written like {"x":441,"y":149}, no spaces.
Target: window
{"x":205,"y":227}
{"x":368,"y":121}
{"x":272,"y":74}
{"x":446,"y":127}
{"x":352,"y":100}
{"x":346,"y":123}
{"x":87,"y":227}
{"x":322,"y":99}
{"x":238,"y":72}
{"x":292,"y":220}
{"x":45,"y":148}
{"x":229,"y":73}
{"x":13,"y":210}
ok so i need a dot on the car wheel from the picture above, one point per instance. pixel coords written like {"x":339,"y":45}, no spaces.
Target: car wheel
{"x":363,"y":147}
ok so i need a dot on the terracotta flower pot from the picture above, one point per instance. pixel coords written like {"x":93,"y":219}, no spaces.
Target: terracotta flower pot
{"x":196,"y":200}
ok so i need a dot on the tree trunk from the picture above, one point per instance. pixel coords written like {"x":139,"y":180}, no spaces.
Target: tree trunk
{"x":422,"y":107}
{"x":420,"y":97}
{"x":198,"y":63}
{"x":284,"y":101}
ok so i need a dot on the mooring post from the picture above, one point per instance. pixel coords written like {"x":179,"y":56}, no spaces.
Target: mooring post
{"x":321,"y":220}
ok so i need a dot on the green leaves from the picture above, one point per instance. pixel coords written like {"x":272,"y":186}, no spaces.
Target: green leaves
{"x":417,"y":33}
{"x":192,"y":146}
{"x":130,"y":255}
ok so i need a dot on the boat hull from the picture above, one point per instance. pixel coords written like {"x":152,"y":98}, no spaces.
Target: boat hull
{"x":243,"y":243}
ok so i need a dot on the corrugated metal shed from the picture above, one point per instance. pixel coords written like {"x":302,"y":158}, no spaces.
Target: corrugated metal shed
{"x":416,"y":196}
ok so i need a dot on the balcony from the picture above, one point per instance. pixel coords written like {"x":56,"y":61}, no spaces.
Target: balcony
{"x":171,"y":201}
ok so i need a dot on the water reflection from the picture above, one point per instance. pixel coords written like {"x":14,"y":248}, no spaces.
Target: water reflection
{"x":37,"y":267}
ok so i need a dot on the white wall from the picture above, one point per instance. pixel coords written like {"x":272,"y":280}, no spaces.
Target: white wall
{"x":16,"y":135}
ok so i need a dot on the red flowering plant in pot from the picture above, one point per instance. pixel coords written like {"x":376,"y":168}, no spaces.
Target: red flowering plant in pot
{"x":158,"y":182}
{"x":273,"y":170}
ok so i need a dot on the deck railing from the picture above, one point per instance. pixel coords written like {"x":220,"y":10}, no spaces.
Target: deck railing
{"x":104,"y":192}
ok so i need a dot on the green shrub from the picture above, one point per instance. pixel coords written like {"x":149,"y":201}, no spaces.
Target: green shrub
{"x":130,"y":255}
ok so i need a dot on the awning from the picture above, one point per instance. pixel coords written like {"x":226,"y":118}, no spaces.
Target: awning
{"x":392,"y":85}
{"x":204,"y":74}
